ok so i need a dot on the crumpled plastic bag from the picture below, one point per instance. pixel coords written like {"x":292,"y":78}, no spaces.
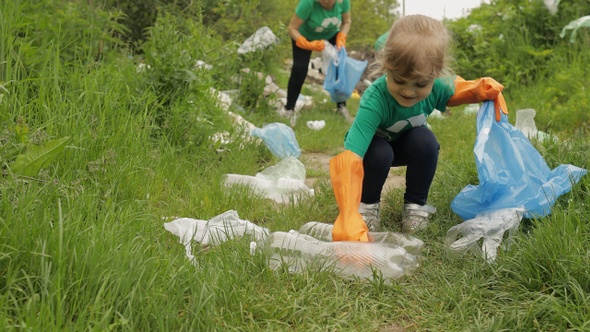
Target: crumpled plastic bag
{"x":552,"y":6}
{"x":214,"y":231}
{"x":511,"y":172}
{"x":343,"y":75}
{"x":574,"y":25}
{"x":486,"y":229}
{"x":261,"y":39}
{"x":279,"y":138}
{"x":283,"y":182}
{"x":329,"y":55}
{"x":525,"y":122}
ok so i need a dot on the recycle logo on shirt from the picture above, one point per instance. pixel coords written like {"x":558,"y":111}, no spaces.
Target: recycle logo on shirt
{"x":328,"y":21}
{"x":415,"y":121}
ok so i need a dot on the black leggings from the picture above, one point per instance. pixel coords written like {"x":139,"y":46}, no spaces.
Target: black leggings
{"x":301,"y":59}
{"x":417,"y":149}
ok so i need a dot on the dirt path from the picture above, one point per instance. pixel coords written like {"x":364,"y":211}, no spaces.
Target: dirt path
{"x":321,"y":162}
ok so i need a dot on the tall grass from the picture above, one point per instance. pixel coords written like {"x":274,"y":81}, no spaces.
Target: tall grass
{"x":83,"y":245}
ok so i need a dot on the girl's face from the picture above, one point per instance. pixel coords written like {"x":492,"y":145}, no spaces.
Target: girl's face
{"x":327,"y":4}
{"x":408,"y":92}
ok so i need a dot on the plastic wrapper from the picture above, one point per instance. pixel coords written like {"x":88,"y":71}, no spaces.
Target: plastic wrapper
{"x":323,"y":231}
{"x":261,"y":39}
{"x":574,"y":25}
{"x":483,"y":234}
{"x":214,"y":231}
{"x":329,"y":55}
{"x":299,"y":252}
{"x":279,"y":138}
{"x":283,"y":182}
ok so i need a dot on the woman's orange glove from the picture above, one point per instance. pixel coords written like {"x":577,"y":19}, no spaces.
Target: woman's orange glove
{"x":315,"y":45}
{"x":347,"y":172}
{"x":485,"y":88}
{"x":340,"y":40}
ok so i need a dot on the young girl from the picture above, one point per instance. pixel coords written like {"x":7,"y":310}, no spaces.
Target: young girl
{"x":390,"y":127}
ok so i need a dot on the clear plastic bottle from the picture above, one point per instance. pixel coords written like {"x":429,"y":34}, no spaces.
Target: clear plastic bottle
{"x":346,"y":258}
{"x":323,"y":231}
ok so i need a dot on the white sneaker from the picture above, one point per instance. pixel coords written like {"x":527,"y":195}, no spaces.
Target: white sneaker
{"x":370,"y":213}
{"x":415,"y":217}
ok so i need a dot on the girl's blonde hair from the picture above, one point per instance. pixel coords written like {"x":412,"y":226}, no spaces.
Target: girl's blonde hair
{"x":417,"y":46}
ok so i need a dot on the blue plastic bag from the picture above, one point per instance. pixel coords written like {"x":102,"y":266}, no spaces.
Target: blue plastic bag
{"x":279,"y":138}
{"x":511,"y":172}
{"x":341,"y":79}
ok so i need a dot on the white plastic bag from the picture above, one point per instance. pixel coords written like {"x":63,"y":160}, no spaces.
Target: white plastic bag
{"x":279,"y":138}
{"x":283,"y":182}
{"x":574,"y":25}
{"x":329,"y":54}
{"x":486,"y":229}
{"x":214,"y":231}
{"x":261,"y":39}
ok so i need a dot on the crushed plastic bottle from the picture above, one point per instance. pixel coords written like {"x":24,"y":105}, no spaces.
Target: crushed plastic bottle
{"x":345,"y":258}
{"x":323,"y":231}
{"x":283,"y":182}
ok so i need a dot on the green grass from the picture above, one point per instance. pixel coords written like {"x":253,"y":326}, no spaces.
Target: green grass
{"x":83,"y":247}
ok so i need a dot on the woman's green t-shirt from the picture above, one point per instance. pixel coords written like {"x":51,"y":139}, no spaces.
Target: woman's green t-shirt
{"x":319,"y":23}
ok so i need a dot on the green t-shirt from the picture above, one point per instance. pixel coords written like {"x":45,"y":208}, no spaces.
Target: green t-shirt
{"x":380,"y":114}
{"x":319,"y":23}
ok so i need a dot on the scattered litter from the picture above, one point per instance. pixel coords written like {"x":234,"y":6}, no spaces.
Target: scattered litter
{"x":389,"y":256}
{"x":574,"y":25}
{"x":279,"y":138}
{"x":200,"y":64}
{"x":241,"y":122}
{"x":471,"y":109}
{"x":316,"y":124}
{"x":436,"y":114}
{"x":329,"y":55}
{"x":224,"y":99}
{"x":261,"y":39}
{"x":489,"y":227}
{"x":349,"y":259}
{"x":525,"y":122}
{"x":283,"y":182}
{"x":214,"y":231}
{"x":552,"y":6}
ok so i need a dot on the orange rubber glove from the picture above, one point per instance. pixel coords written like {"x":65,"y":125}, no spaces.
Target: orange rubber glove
{"x":340,"y":40}
{"x":346,"y":173}
{"x":485,"y":88}
{"x":316,"y":45}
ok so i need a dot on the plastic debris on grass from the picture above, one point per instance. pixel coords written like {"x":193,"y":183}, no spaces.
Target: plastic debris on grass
{"x":261,"y":39}
{"x":388,"y":256}
{"x":214,"y":231}
{"x":574,"y":25}
{"x":283,"y":182}
{"x":512,"y":175}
